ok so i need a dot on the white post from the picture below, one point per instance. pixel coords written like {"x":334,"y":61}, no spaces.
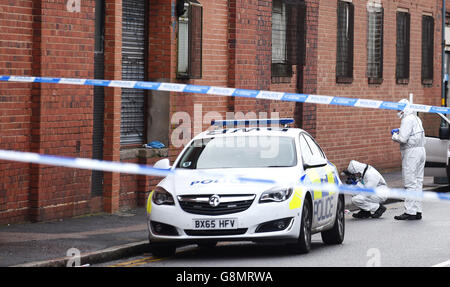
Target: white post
{"x":411,"y":101}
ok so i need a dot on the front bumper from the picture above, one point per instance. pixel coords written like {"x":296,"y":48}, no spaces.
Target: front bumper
{"x":261,"y":222}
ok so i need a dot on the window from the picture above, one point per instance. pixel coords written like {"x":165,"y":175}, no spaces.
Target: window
{"x":374,"y":44}
{"x":427,"y":49}
{"x":344,"y":57}
{"x":305,"y":149}
{"x":431,"y":123}
{"x":402,"y":49}
{"x":190,"y":40}
{"x":134,"y":68}
{"x":288,"y":36}
{"x":238,"y":152}
{"x":279,"y":51}
{"x":316,"y":150}
{"x":309,"y":147}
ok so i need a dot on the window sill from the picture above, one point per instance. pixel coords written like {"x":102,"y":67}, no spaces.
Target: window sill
{"x":344,"y":80}
{"x":187,"y":77}
{"x":375,"y":81}
{"x":281,"y":79}
{"x":143,"y":153}
{"x":183,"y":77}
{"x":427,"y":83}
{"x":402,"y":81}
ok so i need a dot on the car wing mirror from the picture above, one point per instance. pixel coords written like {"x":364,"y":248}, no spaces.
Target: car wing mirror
{"x":314,"y":161}
{"x":162,"y":164}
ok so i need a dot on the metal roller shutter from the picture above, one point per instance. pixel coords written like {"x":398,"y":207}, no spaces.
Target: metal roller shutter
{"x":133,"y":69}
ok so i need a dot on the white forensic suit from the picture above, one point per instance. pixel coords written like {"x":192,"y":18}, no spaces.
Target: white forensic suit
{"x":370,"y":178}
{"x":411,"y":137}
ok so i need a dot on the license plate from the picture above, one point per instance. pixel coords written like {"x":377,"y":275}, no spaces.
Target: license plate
{"x":216,"y":223}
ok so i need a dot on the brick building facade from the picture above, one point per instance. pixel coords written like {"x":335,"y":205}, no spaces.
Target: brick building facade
{"x":103,"y":39}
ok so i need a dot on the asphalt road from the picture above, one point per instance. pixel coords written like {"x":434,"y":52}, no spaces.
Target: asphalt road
{"x":381,"y":242}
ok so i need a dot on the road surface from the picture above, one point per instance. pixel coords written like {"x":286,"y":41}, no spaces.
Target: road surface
{"x":368,"y":242}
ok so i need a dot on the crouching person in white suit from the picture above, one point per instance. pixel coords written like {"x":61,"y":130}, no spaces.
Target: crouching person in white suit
{"x":370,"y":205}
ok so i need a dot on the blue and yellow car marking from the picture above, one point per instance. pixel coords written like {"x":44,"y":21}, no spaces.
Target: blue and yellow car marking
{"x":149,"y":202}
{"x":323,"y":200}
{"x":296,"y":201}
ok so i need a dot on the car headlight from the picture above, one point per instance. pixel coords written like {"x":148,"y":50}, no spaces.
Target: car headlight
{"x":275,"y":194}
{"x":161,"y":196}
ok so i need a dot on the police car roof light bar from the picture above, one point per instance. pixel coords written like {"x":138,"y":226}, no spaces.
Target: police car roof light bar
{"x":255,"y":122}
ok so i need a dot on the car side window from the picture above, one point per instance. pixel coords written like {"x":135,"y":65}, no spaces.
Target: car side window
{"x":305,"y":148}
{"x":316,"y":150}
{"x":431,"y":123}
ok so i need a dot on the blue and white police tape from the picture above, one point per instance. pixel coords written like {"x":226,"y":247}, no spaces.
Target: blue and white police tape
{"x":233,"y":92}
{"x":130,"y":168}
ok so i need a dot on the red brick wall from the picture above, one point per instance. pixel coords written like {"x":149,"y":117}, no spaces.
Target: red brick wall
{"x":15,"y":102}
{"x":364,"y":134}
{"x":61,"y":114}
{"x":250,"y":51}
{"x":113,"y":96}
{"x":42,"y":38}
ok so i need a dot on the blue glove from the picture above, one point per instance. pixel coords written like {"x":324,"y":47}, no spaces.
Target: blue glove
{"x":155,"y":144}
{"x":394,"y":131}
{"x":353,"y":182}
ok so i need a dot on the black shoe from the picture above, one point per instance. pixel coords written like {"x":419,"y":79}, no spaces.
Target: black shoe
{"x":379,"y":211}
{"x":406,"y":216}
{"x":362,"y":214}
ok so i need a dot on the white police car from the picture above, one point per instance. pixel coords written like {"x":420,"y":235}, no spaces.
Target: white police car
{"x":195,"y":206}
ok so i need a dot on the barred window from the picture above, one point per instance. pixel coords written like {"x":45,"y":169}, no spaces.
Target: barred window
{"x":427,"y":49}
{"x":344,"y":54}
{"x":288,"y":36}
{"x":402,"y":49}
{"x":278,"y":32}
{"x":374,"y":44}
{"x":190,"y":40}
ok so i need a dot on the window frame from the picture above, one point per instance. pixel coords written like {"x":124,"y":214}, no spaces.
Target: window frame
{"x":345,"y":42}
{"x":130,"y":135}
{"x":194,"y":49}
{"x":280,"y":67}
{"x":293,"y":32}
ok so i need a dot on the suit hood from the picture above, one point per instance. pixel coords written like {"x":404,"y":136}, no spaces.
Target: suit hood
{"x":356,"y":166}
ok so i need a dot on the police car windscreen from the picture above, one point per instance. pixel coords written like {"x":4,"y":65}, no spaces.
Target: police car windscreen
{"x":239,"y":152}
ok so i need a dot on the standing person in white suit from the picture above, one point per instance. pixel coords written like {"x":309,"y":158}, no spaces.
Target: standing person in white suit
{"x":370,"y":205}
{"x":411,"y":137}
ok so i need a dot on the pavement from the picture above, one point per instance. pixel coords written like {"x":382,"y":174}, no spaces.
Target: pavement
{"x":96,"y":238}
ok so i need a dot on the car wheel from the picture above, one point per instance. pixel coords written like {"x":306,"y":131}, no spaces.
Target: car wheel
{"x":303,"y":244}
{"x":336,"y":234}
{"x":162,"y":250}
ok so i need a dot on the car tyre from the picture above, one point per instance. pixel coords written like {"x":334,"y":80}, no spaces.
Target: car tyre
{"x":335,"y":235}
{"x":303,"y":244}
